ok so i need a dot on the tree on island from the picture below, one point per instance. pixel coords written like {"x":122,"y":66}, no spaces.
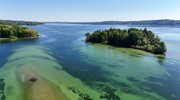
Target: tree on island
{"x":133,"y":37}
{"x":88,"y":35}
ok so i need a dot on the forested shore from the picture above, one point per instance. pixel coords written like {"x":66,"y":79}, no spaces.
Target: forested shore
{"x":14,"y":30}
{"x":133,"y":37}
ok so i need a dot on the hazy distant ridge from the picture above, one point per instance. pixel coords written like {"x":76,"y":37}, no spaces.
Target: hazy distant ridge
{"x":15,"y":22}
{"x":163,"y":22}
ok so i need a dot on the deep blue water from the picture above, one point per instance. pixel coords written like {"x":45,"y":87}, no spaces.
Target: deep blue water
{"x":114,"y":73}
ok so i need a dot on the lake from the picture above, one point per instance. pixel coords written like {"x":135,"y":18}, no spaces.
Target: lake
{"x":85,"y":71}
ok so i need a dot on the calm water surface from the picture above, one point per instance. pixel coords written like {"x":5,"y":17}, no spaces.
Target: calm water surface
{"x":93,"y":72}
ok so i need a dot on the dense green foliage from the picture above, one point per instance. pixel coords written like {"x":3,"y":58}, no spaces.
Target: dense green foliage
{"x":133,"y":37}
{"x":15,"y":31}
{"x":9,"y":22}
{"x":165,"y":22}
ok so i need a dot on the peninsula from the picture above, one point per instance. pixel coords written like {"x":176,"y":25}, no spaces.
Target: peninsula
{"x":13,"y":30}
{"x":133,"y":38}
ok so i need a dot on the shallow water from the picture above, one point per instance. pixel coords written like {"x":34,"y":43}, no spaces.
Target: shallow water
{"x":85,"y":71}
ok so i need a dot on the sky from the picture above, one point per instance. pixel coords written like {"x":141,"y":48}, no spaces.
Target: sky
{"x":89,"y":10}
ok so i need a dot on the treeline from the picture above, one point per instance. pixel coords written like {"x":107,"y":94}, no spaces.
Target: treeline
{"x":133,"y":37}
{"x":10,"y":22}
{"x":165,"y":22}
{"x":15,"y":31}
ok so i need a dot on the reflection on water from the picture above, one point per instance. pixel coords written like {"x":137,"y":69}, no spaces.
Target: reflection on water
{"x":15,"y":40}
{"x":161,"y":59}
{"x":86,"y":71}
{"x":48,"y":40}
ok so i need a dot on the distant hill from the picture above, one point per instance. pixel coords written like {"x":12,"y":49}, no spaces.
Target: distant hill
{"x":164,"y":22}
{"x":12,"y":22}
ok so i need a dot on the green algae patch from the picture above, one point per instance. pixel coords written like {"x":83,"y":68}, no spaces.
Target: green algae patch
{"x":125,"y":80}
{"x":39,"y":59}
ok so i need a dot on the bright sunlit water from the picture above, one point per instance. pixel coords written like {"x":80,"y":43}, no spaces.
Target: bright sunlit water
{"x":85,"y":71}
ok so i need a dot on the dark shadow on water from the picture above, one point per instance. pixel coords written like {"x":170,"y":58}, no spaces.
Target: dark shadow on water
{"x":82,"y":95}
{"x":132,"y":79}
{"x":2,"y":86}
{"x":135,"y":55}
{"x":170,"y":88}
{"x":3,"y":62}
{"x":34,"y":56}
{"x":56,"y":68}
{"x":10,"y":61}
{"x":16,"y":40}
{"x":109,"y":94}
{"x":121,"y":60}
{"x":160,"y":58}
{"x":115,"y":66}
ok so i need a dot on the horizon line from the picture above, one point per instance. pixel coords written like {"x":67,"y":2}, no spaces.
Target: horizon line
{"x":92,"y":21}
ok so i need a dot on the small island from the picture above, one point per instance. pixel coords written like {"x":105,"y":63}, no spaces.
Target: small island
{"x":133,"y":38}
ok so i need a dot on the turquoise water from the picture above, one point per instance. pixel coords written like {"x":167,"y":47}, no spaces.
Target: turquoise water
{"x":85,"y":71}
